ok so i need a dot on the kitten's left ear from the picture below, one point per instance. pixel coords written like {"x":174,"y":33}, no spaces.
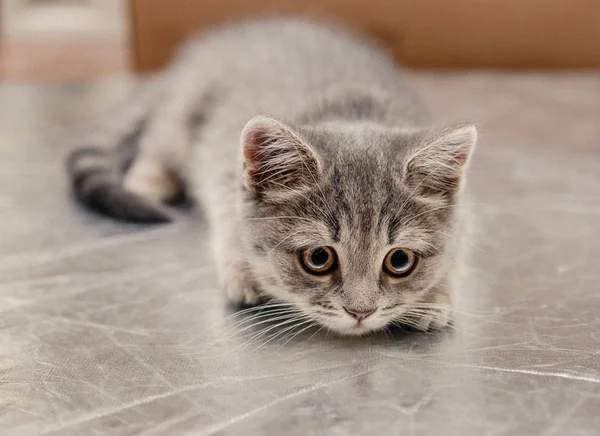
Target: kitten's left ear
{"x":277,"y":161}
{"x":437,"y":166}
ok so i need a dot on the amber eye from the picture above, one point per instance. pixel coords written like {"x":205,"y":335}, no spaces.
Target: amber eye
{"x":399,"y":262}
{"x":318,"y":260}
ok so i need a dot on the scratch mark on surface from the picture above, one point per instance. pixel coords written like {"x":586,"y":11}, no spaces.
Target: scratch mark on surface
{"x":114,"y":279}
{"x":163,"y":428}
{"x":87,"y":417}
{"x":140,"y":361}
{"x":563,"y":418}
{"x":412,"y":411}
{"x":315,"y":387}
{"x":28,"y":259}
{"x":563,"y":375}
{"x":471,"y":350}
{"x":569,"y":361}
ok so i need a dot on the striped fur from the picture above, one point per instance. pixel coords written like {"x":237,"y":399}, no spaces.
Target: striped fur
{"x":294,"y":135}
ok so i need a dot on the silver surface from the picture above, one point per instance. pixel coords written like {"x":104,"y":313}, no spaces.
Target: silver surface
{"x":115,"y":329}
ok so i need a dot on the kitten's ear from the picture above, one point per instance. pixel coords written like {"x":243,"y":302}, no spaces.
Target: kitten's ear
{"x":277,"y":160}
{"x":437,"y":166}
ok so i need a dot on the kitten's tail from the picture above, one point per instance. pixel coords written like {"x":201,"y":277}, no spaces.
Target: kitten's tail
{"x":97,"y":166}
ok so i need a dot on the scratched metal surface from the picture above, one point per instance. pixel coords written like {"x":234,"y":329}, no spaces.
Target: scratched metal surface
{"x":113,"y":329}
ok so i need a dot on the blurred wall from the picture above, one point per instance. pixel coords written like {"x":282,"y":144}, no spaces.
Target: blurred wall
{"x":421,"y":33}
{"x":63,"y":39}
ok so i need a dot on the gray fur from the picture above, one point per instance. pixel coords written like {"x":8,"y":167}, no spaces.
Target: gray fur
{"x":334,"y":152}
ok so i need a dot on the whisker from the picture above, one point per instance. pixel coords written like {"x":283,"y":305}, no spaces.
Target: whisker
{"x":277,"y":326}
{"x":286,"y":330}
{"x":285,"y":239}
{"x":470,"y":244}
{"x":297,"y":192}
{"x":260,"y":308}
{"x":277,"y":333}
{"x":471,"y":313}
{"x":412,"y":193}
{"x":251,"y":338}
{"x":448,"y":206}
{"x":328,"y":212}
{"x":448,"y":306}
{"x":257,"y":308}
{"x":269,"y":317}
{"x":264,"y":321}
{"x":436,"y":318}
{"x":311,"y":325}
{"x":290,"y":217}
{"x":317,"y":331}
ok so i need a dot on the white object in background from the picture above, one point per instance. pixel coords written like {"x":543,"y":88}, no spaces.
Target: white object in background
{"x":98,"y":19}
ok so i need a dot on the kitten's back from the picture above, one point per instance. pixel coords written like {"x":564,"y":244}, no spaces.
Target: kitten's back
{"x":284,"y":67}
{"x":296,"y":70}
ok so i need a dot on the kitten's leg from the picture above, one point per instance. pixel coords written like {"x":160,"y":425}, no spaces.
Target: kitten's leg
{"x":164,"y":158}
{"x":235,"y":275}
{"x":162,"y":166}
{"x":164,"y":152}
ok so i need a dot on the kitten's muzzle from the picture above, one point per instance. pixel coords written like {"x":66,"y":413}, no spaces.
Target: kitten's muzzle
{"x":359,"y":314}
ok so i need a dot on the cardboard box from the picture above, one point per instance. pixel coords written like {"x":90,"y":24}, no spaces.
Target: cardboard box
{"x":421,"y":33}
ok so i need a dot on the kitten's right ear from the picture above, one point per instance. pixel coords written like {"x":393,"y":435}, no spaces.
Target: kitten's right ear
{"x":277,"y":161}
{"x":437,"y":166}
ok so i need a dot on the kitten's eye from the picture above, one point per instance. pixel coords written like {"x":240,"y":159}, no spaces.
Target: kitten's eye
{"x":399,"y":262}
{"x":318,"y":260}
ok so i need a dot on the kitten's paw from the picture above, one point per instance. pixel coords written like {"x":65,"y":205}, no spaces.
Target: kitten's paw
{"x":151,"y":179}
{"x":437,"y":319}
{"x":240,"y":287}
{"x":438,"y":315}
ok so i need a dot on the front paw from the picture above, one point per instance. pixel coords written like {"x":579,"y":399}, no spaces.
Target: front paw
{"x":239,"y":285}
{"x":436,"y":312}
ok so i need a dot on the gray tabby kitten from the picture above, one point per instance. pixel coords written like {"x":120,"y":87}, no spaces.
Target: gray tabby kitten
{"x":324,"y":188}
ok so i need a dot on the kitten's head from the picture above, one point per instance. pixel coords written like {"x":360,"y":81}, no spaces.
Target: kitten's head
{"x":353,"y":224}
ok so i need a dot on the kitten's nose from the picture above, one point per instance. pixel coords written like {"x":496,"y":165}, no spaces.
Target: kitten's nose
{"x":359,"y":314}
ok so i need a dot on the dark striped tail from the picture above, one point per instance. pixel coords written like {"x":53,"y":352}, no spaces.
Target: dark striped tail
{"x":98,"y":186}
{"x":96,"y":171}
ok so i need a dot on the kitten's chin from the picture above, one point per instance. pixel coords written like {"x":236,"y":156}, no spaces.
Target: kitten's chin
{"x":348,"y":327}
{"x":354,"y":331}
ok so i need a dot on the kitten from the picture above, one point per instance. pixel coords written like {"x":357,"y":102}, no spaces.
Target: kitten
{"x":324,"y":188}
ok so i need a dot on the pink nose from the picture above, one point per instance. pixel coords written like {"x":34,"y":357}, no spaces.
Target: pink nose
{"x":359,"y":314}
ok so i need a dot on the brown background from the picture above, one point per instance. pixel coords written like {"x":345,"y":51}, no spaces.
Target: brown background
{"x":421,"y":33}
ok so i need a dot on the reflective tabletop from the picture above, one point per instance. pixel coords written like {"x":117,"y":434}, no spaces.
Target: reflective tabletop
{"x":109,"y":328}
